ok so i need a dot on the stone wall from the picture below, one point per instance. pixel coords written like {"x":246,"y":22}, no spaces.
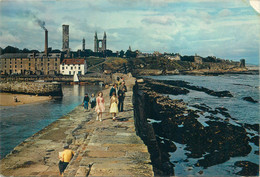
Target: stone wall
{"x":35,"y":88}
{"x":144,"y":106}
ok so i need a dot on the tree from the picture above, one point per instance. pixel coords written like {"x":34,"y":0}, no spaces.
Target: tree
{"x":11,"y":49}
{"x":121,"y":54}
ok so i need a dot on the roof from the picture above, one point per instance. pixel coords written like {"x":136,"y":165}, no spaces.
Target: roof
{"x":73,"y":61}
{"x":29,"y":55}
{"x":14,"y":55}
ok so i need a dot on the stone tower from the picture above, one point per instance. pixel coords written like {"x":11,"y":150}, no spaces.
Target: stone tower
{"x":97,"y":42}
{"x":65,"y":37}
{"x":83,"y":44}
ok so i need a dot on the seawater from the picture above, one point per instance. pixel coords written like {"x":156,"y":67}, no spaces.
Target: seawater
{"x":245,"y":112}
{"x":20,"y":122}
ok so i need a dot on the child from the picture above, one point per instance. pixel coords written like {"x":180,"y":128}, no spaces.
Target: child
{"x":65,"y":157}
{"x":114,"y":105}
{"x":85,"y":101}
{"x":100,"y":108}
{"x":93,"y":101}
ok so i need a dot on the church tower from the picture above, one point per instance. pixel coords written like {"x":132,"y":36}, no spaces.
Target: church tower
{"x":104,"y":42}
{"x":95,"y":42}
{"x":98,"y":42}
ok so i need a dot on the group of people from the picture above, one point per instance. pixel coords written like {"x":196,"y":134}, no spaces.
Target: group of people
{"x":117,"y":96}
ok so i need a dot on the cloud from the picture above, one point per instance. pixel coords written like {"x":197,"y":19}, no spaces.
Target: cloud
{"x":8,"y":39}
{"x":161,"y":20}
{"x":225,"y":13}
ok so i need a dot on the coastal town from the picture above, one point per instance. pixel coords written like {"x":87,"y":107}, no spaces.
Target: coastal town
{"x":89,"y":95}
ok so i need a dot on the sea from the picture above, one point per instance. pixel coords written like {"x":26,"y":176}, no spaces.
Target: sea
{"x":240,"y":86}
{"x":18,"y":123}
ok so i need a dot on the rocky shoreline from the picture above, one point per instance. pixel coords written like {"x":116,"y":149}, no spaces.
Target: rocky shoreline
{"x":161,"y":122}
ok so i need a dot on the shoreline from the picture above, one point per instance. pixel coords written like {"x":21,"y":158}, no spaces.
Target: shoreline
{"x":101,"y":148}
{"x":7,"y":99}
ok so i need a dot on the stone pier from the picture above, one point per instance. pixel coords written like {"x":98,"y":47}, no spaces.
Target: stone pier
{"x":107,"y":148}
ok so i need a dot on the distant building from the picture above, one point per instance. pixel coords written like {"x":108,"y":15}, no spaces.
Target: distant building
{"x":176,"y":57}
{"x":72,"y":66}
{"x":100,"y":45}
{"x":198,"y":59}
{"x":30,"y":63}
{"x":65,"y":38}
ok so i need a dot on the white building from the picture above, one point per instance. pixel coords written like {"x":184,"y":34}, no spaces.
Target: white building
{"x":72,"y":66}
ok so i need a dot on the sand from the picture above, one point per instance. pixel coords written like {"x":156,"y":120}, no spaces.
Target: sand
{"x":7,"y":99}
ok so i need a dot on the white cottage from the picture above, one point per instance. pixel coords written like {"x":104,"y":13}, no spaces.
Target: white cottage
{"x":72,"y":66}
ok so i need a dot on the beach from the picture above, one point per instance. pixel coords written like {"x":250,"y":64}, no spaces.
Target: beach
{"x":7,"y":99}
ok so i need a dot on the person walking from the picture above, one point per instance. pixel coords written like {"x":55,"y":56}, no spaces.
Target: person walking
{"x":65,"y":157}
{"x":100,"y":107}
{"x":112,"y":90}
{"x":114,"y":105}
{"x":93,"y":100}
{"x":121,"y":96}
{"x":86,"y":101}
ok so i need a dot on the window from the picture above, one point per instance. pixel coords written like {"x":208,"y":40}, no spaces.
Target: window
{"x":15,"y":66}
{"x":55,"y":59}
{"x":29,"y":64}
{"x":71,"y":68}
{"x":66,"y":67}
{"x":55,"y":64}
{"x":48,"y":64}
{"x":62,"y":68}
{"x":41,"y":64}
{"x":79,"y":72}
{"x":79,"y":67}
{"x":21,"y":66}
{"x":10,"y":66}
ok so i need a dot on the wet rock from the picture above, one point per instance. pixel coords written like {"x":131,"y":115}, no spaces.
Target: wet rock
{"x":254,"y":127}
{"x":199,"y":88}
{"x":250,"y":99}
{"x":200,"y":172}
{"x":213,"y":159}
{"x":166,"y":89}
{"x":248,"y":168}
{"x":255,"y":140}
{"x":256,"y":152}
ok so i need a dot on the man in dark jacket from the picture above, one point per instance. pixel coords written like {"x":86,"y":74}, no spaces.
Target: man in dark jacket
{"x":121,"y":96}
{"x":113,"y":89}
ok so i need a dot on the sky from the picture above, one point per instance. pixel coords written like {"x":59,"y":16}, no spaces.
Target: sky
{"x":228,"y":29}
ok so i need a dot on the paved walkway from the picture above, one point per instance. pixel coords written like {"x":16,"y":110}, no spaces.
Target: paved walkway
{"x":107,"y":148}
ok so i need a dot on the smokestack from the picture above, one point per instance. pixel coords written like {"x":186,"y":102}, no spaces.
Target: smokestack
{"x":46,"y":42}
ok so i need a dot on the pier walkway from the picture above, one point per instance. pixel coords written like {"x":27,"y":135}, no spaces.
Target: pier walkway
{"x":107,"y":148}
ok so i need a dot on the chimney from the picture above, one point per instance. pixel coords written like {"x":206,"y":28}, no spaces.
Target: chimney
{"x":46,"y":43}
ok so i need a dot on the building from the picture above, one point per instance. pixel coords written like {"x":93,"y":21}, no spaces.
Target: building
{"x":65,"y":38}
{"x":72,"y":66}
{"x":30,"y":63}
{"x":175,"y":57}
{"x":100,"y":45}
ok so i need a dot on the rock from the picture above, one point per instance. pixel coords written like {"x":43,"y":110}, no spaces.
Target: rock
{"x":248,"y":168}
{"x":250,"y":99}
{"x":255,"y":140}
